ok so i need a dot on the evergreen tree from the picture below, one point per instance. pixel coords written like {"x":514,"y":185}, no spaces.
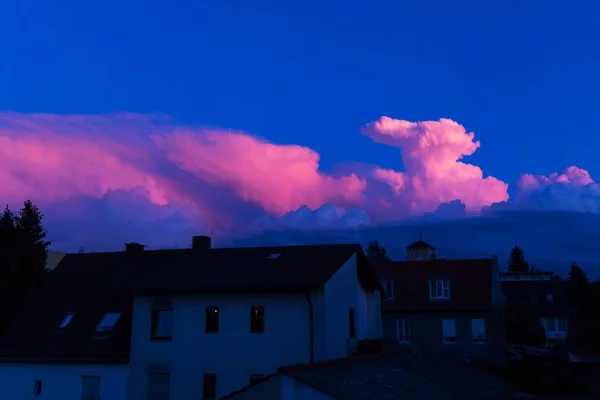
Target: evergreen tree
{"x":377,"y":254}
{"x":7,"y":244}
{"x":577,"y":275}
{"x":517,"y":262}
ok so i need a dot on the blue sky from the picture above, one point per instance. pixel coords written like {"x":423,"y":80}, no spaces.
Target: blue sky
{"x":521,"y":75}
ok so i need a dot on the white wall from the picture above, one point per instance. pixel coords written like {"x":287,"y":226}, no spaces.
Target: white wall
{"x":60,"y":381}
{"x":233,"y":354}
{"x":291,"y":389}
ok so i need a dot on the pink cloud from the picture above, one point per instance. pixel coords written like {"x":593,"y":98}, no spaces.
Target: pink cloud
{"x":433,"y":174}
{"x":572,"y":175}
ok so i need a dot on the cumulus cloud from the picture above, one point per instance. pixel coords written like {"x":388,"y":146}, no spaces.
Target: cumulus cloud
{"x":147,"y":177}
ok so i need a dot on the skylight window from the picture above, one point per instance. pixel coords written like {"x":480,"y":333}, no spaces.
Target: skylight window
{"x":66,"y":320}
{"x":273,"y":256}
{"x":108,"y":322}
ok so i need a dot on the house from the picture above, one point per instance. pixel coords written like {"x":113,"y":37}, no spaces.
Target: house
{"x":186,"y":323}
{"x":218,"y":319}
{"x":453,"y":307}
{"x":550,"y":299}
{"x":396,"y":375}
{"x":534,"y":275}
{"x":72,"y":338}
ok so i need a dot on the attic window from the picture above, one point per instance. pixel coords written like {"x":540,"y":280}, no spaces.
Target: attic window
{"x":273,"y":256}
{"x":108,"y":322}
{"x":66,"y":320}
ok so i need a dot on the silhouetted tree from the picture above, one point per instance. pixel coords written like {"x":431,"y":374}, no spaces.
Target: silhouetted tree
{"x":377,"y":254}
{"x":23,"y":249}
{"x":517,"y":262}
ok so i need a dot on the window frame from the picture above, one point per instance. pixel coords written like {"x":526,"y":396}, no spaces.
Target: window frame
{"x":445,"y":337}
{"x":384,"y":283}
{"x":351,"y":323}
{"x":205,"y":377}
{"x":480,"y":338}
{"x":208,"y":311}
{"x":404,"y":323}
{"x":253,"y":327}
{"x":158,"y":308}
{"x":434,"y":287}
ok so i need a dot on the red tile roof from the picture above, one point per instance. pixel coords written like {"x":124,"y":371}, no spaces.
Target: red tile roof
{"x":470,"y":288}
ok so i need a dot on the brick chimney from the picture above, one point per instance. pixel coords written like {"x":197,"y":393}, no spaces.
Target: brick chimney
{"x":201,"y":242}
{"x":134,"y":247}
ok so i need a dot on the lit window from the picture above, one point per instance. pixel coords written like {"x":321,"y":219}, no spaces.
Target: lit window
{"x":66,"y":320}
{"x":388,"y":288}
{"x":449,"y":331}
{"x":108,"y":322}
{"x":439,"y":289}
{"x":257,"y":319}
{"x":478,"y":331}
{"x":403,"y":330}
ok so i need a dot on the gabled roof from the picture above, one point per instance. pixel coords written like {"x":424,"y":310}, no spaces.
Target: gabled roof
{"x":92,"y":284}
{"x":470,"y":284}
{"x":398,"y":375}
{"x":88,"y":285}
{"x":256,"y":269}
{"x":420,"y":245}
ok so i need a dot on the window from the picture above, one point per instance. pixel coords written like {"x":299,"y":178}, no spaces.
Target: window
{"x":388,"y":288}
{"x":554,"y":324}
{"x":257,"y":319}
{"x":209,"y":387}
{"x":90,"y":387}
{"x":66,"y":320}
{"x":162,"y":321}
{"x":439,"y":289}
{"x":403,"y":330}
{"x":273,"y":256}
{"x":351,"y":324}
{"x":159,"y":385}
{"x":211,"y":320}
{"x":478,"y":331}
{"x":449,"y":331}
{"x":256,"y":378}
{"x":108,"y":322}
{"x":534,"y":299}
{"x":550,"y":298}
{"x":37,"y":388}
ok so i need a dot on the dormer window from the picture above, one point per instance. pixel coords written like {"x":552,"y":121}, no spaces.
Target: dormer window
{"x":66,"y":320}
{"x":388,"y":288}
{"x":439,"y":289}
{"x":108,"y":322}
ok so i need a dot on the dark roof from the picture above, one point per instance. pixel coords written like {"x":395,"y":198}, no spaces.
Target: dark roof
{"x":92,"y":284}
{"x":470,"y":284}
{"x":522,"y":293}
{"x":88,"y":285}
{"x":250,"y":269}
{"x":420,"y":245}
{"x":399,"y":375}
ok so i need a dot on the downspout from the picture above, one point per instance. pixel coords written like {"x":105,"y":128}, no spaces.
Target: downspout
{"x":311,"y":327}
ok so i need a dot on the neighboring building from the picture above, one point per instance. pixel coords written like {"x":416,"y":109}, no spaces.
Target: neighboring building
{"x":526,"y":275}
{"x":219,"y":318}
{"x":406,"y":376}
{"x":452,"y":307}
{"x":419,"y":251}
{"x":550,"y":299}
{"x":72,"y":338}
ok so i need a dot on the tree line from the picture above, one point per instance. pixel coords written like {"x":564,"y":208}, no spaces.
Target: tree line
{"x":23,"y":252}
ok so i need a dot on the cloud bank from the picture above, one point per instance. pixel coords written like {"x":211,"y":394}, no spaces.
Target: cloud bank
{"x":102,"y":180}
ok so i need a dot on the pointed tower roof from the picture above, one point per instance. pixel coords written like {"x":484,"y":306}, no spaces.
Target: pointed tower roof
{"x":420,"y":244}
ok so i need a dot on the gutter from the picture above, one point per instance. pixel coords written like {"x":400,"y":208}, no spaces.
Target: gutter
{"x":311,"y":327}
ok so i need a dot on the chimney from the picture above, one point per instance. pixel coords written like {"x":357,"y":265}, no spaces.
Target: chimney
{"x":201,"y":242}
{"x":134,"y":247}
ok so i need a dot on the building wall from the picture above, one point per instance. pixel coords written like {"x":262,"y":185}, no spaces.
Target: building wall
{"x":426,"y":332}
{"x":60,"y":381}
{"x":233,"y":354}
{"x":281,"y":388}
